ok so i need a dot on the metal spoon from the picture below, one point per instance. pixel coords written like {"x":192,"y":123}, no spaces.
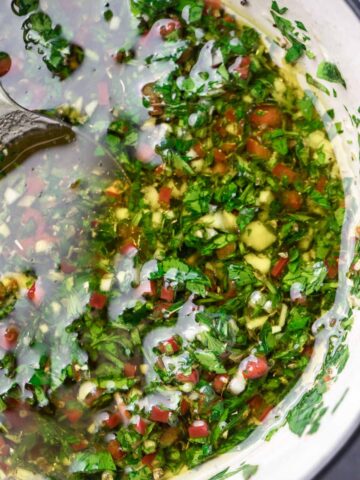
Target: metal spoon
{"x":22,"y":133}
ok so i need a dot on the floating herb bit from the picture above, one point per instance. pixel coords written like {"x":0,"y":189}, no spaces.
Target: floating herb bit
{"x":330,"y":72}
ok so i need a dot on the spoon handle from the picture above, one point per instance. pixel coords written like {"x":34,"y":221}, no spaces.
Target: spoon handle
{"x":23,"y":132}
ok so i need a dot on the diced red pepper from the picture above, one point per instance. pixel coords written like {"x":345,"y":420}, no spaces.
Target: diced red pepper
{"x":220,"y":382}
{"x":34,"y":185}
{"x":114,"y":448}
{"x":73,"y":415}
{"x":332,"y":266}
{"x":283,"y":171}
{"x":192,"y":378}
{"x":169,"y":346}
{"x":103,"y":93}
{"x":321,"y":184}
{"x":114,"y":420}
{"x":230,"y":115}
{"x":5,"y":64}
{"x":199,"y":150}
{"x":226,"y":251}
{"x":159,"y":415}
{"x":279,"y":267}
{"x":148,"y":459}
{"x":165,"y":196}
{"x":4,"y":447}
{"x":308,"y":351}
{"x":256,"y":368}
{"x":266,"y":116}
{"x":219,"y":155}
{"x":147,"y":287}
{"x":80,"y":446}
{"x":36,"y":294}
{"x":9,"y":337}
{"x":141,"y":426}
{"x":98,"y":300}
{"x":199,"y":429}
{"x":167,"y":294}
{"x":184,"y":406}
{"x":255,"y":148}
{"x":130,"y":370}
{"x":292,"y":200}
{"x":243,"y":68}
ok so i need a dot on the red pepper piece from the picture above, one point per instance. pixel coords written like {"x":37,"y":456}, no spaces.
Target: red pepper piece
{"x":169,"y":346}
{"x":159,"y":415}
{"x":165,"y":196}
{"x":9,"y":337}
{"x":199,"y":429}
{"x":279,"y":267}
{"x":130,"y":370}
{"x":283,"y":171}
{"x":192,"y":378}
{"x":98,"y":300}
{"x":114,"y":448}
{"x":167,"y":294}
{"x":256,"y":368}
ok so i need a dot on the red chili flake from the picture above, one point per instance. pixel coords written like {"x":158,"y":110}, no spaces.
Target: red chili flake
{"x":98,"y":300}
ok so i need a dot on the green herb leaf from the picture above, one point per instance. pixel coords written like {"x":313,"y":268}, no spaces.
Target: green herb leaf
{"x":331,"y":73}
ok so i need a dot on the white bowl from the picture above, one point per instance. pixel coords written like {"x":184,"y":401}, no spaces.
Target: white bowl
{"x":335,"y":413}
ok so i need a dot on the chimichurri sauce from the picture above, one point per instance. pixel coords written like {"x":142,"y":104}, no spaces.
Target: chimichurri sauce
{"x":149,"y":326}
